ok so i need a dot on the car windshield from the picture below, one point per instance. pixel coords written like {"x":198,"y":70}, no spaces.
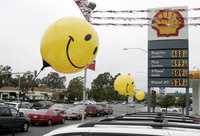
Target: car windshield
{"x":60,"y":106}
{"x":11,"y":104}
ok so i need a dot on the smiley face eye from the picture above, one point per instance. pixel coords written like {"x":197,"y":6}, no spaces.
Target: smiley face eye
{"x":88,"y":37}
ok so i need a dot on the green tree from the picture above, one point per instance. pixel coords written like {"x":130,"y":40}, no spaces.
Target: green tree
{"x":75,"y":89}
{"x":5,"y":75}
{"x":166,"y":101}
{"x":26,"y":81}
{"x":181,"y":102}
{"x":54,"y":81}
{"x":102,"y":88}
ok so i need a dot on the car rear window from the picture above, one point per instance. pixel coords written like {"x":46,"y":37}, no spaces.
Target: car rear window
{"x":4,"y":111}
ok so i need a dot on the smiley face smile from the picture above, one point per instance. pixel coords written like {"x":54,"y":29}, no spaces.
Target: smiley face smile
{"x":71,"y":39}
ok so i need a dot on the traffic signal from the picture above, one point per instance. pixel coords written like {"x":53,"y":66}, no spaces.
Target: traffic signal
{"x":153,"y":92}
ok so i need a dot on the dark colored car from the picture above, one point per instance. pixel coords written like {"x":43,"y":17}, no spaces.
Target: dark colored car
{"x":94,"y":110}
{"x":48,"y":117}
{"x":11,"y":119}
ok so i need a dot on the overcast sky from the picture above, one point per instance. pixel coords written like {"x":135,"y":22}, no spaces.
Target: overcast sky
{"x":23,"y":22}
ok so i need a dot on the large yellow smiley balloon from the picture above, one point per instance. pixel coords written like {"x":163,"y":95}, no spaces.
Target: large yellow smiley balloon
{"x":124,"y":85}
{"x":69,"y":45}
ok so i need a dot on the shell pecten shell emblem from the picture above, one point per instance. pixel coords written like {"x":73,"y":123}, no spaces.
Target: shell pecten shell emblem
{"x":167,"y":23}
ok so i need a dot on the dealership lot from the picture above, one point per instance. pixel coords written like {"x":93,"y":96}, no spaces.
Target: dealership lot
{"x":39,"y":130}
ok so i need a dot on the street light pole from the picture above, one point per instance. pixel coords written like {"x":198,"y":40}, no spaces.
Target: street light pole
{"x":84,"y":92}
{"x":19,"y":86}
{"x":145,"y":51}
{"x":148,"y":88}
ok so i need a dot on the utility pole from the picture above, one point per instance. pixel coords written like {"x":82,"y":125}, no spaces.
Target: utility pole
{"x":19,"y":86}
{"x":84,"y":92}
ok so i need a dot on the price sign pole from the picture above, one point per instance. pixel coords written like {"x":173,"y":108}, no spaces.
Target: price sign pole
{"x":168,"y":63}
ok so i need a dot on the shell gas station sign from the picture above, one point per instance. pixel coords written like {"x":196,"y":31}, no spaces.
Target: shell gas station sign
{"x":167,"y":23}
{"x":168,"y":62}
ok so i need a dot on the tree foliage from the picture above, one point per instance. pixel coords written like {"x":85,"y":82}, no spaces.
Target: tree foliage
{"x":25,"y":82}
{"x":181,"y":101}
{"x":166,"y":101}
{"x":75,"y":89}
{"x":102,"y":88}
{"x":54,"y":81}
{"x":5,"y":75}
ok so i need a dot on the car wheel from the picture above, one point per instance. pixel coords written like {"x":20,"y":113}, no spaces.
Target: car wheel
{"x":98,"y":114}
{"x":25,"y":127}
{"x":62,"y":121}
{"x":49,"y":122}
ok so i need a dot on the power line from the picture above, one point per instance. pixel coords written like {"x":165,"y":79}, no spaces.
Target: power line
{"x":137,"y":18}
{"x":143,"y":11}
{"x":138,"y":25}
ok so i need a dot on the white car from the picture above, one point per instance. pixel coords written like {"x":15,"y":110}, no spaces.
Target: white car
{"x":76,"y":112}
{"x":24,"y":107}
{"x":136,"y":124}
{"x":171,"y":109}
{"x":86,"y":102}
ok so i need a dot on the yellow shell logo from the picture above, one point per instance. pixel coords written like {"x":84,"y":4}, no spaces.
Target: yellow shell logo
{"x":167,"y":23}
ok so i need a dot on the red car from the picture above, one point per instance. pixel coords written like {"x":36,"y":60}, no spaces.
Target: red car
{"x":94,"y":110}
{"x":48,"y":117}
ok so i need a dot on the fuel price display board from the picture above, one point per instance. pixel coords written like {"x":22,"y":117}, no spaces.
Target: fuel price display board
{"x":168,"y":66}
{"x":168,"y":62}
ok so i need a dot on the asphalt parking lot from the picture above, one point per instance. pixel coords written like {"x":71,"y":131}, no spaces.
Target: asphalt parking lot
{"x":39,"y":130}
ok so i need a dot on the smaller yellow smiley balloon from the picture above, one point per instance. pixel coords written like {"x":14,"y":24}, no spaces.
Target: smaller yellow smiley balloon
{"x":140,"y":95}
{"x":69,"y":45}
{"x":124,"y":85}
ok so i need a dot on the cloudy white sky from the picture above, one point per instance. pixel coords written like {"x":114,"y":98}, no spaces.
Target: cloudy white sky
{"x":23,"y":22}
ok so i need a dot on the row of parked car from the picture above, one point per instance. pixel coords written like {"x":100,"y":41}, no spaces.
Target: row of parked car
{"x":77,"y":111}
{"x":19,"y":115}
